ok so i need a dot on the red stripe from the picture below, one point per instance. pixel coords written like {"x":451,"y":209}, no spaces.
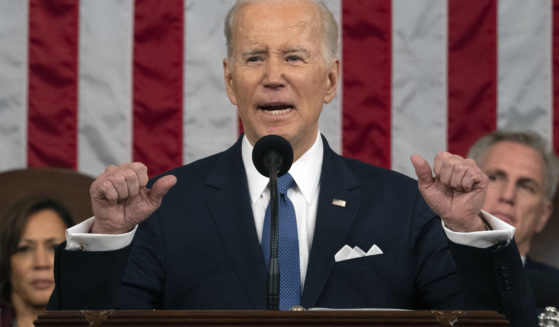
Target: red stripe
{"x":367,"y":55}
{"x":472,"y":72}
{"x":53,"y":83}
{"x":556,"y":75}
{"x":158,"y":84}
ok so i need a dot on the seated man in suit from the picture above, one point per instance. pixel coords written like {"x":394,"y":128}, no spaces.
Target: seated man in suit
{"x":523,"y":176}
{"x":197,"y":244}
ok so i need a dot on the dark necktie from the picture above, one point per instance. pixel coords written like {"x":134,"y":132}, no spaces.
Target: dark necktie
{"x":290,"y":279}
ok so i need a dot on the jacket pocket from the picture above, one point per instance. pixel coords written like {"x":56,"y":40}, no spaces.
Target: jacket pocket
{"x":362,"y":264}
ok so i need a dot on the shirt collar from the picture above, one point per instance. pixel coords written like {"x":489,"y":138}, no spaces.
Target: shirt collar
{"x":305,"y":171}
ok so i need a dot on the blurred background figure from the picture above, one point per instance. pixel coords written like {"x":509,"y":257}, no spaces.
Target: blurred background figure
{"x":66,"y":186}
{"x":523,"y":176}
{"x":29,"y":232}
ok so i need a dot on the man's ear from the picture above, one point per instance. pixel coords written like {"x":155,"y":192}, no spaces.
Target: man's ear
{"x":228,"y":78}
{"x":332,"y":81}
{"x":545,"y":215}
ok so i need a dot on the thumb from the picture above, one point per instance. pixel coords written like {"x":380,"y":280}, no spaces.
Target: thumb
{"x":161,"y":187}
{"x":422,"y":170}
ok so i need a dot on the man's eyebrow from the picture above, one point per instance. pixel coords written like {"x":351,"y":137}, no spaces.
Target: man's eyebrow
{"x":293,"y":50}
{"x":497,"y":171}
{"x":254,"y":52}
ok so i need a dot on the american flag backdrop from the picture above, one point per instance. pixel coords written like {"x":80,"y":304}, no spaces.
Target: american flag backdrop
{"x":87,"y":83}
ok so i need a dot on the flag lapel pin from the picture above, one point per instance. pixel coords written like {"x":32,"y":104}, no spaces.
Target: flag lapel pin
{"x":339,"y":203}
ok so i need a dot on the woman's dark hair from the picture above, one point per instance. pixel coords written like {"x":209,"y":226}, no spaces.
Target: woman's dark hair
{"x":11,"y":229}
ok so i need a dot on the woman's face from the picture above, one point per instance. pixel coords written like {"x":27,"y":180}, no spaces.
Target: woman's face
{"x":32,"y":276}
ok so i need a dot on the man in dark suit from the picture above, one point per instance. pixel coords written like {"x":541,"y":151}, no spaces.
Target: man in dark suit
{"x":523,"y":176}
{"x":367,"y":237}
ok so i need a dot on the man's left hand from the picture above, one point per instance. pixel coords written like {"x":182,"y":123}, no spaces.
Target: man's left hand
{"x":455,"y":190}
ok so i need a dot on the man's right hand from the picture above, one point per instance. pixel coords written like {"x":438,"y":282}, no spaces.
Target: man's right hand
{"x":120,"y":199}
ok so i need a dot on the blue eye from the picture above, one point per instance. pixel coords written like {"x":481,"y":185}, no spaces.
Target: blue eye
{"x":293,"y":58}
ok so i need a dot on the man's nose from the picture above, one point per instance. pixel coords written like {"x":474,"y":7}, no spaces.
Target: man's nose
{"x":274,"y":74}
{"x":507,"y":192}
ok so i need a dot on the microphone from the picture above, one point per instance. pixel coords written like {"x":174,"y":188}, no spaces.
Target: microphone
{"x":272,"y":156}
{"x":272,"y":152}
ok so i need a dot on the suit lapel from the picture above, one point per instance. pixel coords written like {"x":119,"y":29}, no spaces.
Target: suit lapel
{"x":333,"y":222}
{"x":230,"y":209}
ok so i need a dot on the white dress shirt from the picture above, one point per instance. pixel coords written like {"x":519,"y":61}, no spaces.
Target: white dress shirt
{"x":304,"y":196}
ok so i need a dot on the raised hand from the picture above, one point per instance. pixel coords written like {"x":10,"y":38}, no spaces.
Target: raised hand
{"x":120,"y":199}
{"x":455,"y":189}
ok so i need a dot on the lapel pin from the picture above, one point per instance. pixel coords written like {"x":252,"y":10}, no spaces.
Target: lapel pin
{"x":339,"y":203}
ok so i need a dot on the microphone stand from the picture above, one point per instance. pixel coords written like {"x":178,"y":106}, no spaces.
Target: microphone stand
{"x":273,"y":268}
{"x":272,"y":155}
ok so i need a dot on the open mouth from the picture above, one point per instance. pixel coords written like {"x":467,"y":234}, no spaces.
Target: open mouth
{"x":276,"y":109}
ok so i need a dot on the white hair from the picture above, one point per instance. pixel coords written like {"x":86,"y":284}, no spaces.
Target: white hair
{"x":329,"y":27}
{"x":530,"y":139}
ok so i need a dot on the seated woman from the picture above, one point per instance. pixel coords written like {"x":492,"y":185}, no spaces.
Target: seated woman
{"x":29,"y":232}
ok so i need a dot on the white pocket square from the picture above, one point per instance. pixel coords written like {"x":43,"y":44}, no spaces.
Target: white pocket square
{"x":347,"y":252}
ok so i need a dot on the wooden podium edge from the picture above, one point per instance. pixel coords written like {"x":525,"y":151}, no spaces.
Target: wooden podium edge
{"x":436,"y":318}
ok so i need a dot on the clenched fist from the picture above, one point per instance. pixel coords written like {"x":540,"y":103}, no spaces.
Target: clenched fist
{"x":120,"y":199}
{"x":455,"y":189}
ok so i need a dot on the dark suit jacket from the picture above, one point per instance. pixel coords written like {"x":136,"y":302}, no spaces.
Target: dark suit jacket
{"x":200,"y":250}
{"x":544,"y":280}
{"x":531,"y":265}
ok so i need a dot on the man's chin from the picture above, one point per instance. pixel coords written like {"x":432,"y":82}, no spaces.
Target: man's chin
{"x":272,"y":131}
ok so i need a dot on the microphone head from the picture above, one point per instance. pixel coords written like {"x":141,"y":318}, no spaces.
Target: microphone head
{"x":272,"y":150}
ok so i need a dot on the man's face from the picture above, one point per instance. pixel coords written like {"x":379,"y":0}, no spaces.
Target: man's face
{"x":516,"y":192}
{"x":277,"y":75}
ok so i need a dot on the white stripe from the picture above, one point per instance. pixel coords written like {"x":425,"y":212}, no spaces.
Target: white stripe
{"x":105,"y":86}
{"x":419,"y":79}
{"x":419,"y":92}
{"x":13,"y":84}
{"x":210,"y":120}
{"x":331,"y":117}
{"x":525,"y":66}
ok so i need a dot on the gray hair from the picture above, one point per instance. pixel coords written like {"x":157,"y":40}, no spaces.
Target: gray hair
{"x":329,"y":28}
{"x":529,"y":139}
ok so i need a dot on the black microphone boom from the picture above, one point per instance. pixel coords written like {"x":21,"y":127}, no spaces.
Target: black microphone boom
{"x":272,"y":155}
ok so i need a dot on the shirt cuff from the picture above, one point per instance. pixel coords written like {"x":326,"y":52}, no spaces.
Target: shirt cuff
{"x":78,"y":238}
{"x":483,"y":239}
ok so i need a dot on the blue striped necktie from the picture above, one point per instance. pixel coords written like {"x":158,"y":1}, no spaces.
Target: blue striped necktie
{"x":290,"y":279}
